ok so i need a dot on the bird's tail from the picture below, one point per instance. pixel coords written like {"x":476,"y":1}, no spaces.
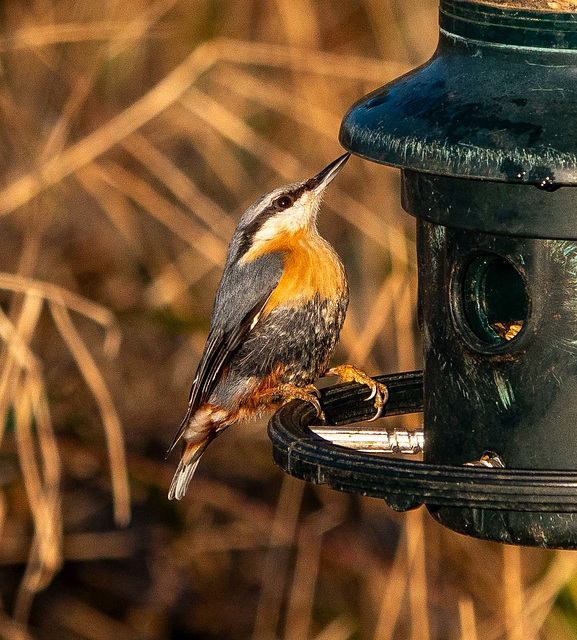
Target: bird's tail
{"x":186,"y":467}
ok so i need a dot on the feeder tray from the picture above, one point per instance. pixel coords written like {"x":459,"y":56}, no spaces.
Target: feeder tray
{"x":506,"y":498}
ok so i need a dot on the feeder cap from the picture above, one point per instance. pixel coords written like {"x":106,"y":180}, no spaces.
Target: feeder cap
{"x":496,"y":101}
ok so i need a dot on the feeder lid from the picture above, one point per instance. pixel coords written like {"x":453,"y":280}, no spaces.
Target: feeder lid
{"x":496,"y":101}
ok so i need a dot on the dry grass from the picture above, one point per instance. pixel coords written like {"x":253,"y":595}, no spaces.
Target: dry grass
{"x":132,"y":136}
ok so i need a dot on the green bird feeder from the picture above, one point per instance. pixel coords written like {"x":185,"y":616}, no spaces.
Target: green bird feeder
{"x":485,"y":135}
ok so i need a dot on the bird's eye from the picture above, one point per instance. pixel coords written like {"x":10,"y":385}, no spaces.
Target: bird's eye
{"x":284,"y":202}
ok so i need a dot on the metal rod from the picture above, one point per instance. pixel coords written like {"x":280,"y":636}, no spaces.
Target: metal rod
{"x":373,"y":440}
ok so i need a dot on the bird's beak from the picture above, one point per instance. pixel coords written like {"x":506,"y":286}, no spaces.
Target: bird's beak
{"x":321,"y":180}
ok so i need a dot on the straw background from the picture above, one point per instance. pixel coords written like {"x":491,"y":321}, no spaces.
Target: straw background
{"x":132,"y":136}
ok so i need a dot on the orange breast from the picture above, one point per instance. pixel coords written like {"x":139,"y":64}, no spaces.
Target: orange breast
{"x":311,"y":267}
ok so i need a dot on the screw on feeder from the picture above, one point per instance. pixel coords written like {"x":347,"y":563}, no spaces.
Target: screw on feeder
{"x":489,"y":459}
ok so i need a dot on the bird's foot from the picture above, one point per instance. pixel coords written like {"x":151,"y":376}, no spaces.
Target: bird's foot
{"x":379,"y":391}
{"x":309,"y":394}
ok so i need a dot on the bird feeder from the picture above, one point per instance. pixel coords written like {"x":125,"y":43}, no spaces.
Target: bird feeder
{"x":485,"y":135}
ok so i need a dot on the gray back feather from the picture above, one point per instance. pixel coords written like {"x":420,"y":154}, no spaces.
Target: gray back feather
{"x":242,"y":286}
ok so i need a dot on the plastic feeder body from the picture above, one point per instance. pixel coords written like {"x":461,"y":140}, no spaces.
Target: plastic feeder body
{"x":485,"y":134}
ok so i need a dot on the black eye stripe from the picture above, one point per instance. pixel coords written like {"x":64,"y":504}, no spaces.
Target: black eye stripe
{"x":291,"y":197}
{"x":273,"y":208}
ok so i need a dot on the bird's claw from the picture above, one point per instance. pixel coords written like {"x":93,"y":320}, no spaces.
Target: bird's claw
{"x":314,"y":396}
{"x":314,"y":400}
{"x":308,"y":394}
{"x":312,"y":389}
{"x":380,"y":393}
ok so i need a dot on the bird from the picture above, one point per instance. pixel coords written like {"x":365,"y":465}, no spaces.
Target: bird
{"x":278,"y":312}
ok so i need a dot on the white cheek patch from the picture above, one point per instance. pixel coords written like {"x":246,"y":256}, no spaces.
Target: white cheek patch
{"x":297,"y":217}
{"x":280,"y":224}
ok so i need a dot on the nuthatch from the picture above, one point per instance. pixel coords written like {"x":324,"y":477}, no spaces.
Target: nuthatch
{"x":276,"y":320}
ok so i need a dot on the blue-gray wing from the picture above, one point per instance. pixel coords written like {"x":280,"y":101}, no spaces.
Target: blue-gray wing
{"x":241,"y":296}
